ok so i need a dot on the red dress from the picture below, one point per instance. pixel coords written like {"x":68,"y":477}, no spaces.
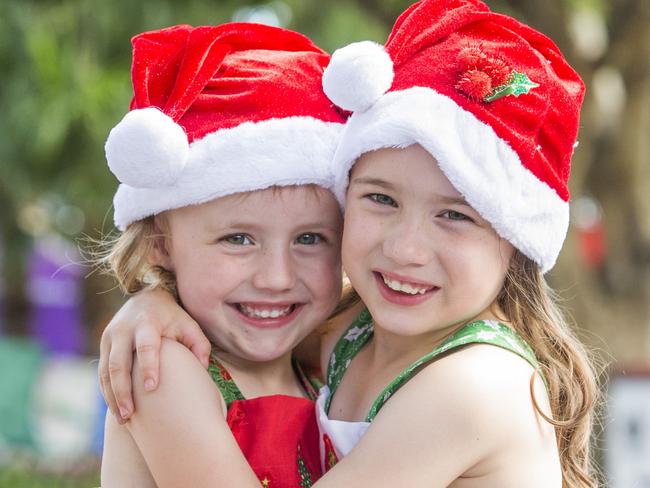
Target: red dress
{"x":277,"y":434}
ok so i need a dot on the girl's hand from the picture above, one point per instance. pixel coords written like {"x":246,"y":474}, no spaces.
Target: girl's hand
{"x":139,"y":326}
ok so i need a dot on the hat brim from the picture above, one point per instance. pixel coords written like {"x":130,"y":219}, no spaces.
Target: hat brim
{"x":251,"y":156}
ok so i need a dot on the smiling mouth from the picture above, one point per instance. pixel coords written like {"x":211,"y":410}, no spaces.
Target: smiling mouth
{"x":406,"y":287}
{"x":265,"y":312}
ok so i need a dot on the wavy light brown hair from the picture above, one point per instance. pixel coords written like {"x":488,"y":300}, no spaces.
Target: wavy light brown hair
{"x":532,"y":309}
{"x":127,"y":257}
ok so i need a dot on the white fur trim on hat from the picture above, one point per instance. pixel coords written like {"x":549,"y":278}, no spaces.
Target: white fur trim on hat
{"x":357,"y":75}
{"x":482,"y":167}
{"x":251,"y":156}
{"x":147,"y":149}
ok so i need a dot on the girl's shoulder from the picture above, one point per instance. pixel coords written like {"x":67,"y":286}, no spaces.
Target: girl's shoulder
{"x":483,"y":393}
{"x":480,"y":369}
{"x":490,"y":390}
{"x":185,"y":414}
{"x":487,"y":332}
{"x":180,"y":371}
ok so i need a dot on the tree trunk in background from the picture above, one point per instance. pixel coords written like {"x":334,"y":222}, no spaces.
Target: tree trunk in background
{"x":613,"y":303}
{"x":14,"y":245}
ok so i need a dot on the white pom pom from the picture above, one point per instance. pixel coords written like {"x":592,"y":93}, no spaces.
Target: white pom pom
{"x":147,"y":149}
{"x":358,"y":75}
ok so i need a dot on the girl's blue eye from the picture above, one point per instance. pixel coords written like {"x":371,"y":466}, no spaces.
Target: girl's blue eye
{"x":309,"y":239}
{"x":238,"y":240}
{"x":453,"y":215}
{"x":382,"y":199}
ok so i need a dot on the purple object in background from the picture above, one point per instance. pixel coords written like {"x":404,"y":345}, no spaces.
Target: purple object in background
{"x":54,"y":290}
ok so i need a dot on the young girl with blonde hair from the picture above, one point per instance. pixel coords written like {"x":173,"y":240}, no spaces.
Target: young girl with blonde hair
{"x":225,"y":169}
{"x":461,"y":370}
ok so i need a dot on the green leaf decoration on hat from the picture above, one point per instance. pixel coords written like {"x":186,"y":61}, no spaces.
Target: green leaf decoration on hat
{"x":518,"y":84}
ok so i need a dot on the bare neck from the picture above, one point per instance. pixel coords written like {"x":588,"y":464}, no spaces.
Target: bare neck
{"x":263,"y":378}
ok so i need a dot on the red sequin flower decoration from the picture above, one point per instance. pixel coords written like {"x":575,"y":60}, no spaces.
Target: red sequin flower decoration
{"x":480,"y":74}
{"x":475,"y":84}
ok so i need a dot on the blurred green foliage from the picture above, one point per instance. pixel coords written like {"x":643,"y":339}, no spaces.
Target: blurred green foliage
{"x":23,"y":478}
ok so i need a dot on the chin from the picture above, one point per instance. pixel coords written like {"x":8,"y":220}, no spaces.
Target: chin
{"x":406,"y":321}
{"x":261,"y":353}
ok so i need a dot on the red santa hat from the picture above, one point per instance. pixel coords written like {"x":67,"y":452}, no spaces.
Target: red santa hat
{"x":221,"y":110}
{"x":492,"y":100}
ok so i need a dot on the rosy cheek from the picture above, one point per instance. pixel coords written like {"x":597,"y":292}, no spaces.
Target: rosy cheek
{"x":327,"y":269}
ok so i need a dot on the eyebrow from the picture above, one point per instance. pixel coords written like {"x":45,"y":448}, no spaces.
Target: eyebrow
{"x":237,"y":224}
{"x":372,"y":181}
{"x":244,"y":226}
{"x":447,"y":199}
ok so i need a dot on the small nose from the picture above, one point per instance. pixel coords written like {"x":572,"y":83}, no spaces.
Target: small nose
{"x":408,"y":243}
{"x":275,"y":270}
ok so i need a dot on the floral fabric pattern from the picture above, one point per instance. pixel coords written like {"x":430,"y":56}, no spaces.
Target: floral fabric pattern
{"x":346,"y":348}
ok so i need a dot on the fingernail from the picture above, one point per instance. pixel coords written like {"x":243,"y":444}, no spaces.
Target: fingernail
{"x":149,"y":384}
{"x":124,"y":412}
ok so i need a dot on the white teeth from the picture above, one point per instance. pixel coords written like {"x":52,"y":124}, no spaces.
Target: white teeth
{"x":264,"y":313}
{"x":404,"y":287}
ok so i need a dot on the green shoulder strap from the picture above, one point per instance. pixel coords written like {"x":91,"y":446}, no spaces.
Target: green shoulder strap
{"x":231,"y":392}
{"x":348,"y":345}
{"x":221,"y":377}
{"x":478,"y":332}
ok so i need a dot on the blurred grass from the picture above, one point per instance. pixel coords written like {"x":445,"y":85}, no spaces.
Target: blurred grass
{"x":26,"y":472}
{"x":21,"y":478}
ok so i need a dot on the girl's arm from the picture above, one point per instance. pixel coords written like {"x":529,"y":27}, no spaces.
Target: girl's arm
{"x":122,"y":463}
{"x":180,"y":428}
{"x":139,"y":326}
{"x":469,"y":415}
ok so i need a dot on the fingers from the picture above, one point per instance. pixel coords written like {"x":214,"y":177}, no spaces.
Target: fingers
{"x":120,"y":364}
{"x":194,"y":339}
{"x":147,"y":346}
{"x":105,"y":378}
{"x":190,"y":334}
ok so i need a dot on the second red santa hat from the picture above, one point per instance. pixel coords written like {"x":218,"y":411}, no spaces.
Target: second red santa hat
{"x":491,"y":99}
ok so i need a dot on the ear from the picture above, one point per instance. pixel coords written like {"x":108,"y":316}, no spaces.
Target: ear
{"x":160,"y":255}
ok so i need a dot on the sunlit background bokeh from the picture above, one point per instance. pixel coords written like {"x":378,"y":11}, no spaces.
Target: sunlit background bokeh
{"x":64,"y":82}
